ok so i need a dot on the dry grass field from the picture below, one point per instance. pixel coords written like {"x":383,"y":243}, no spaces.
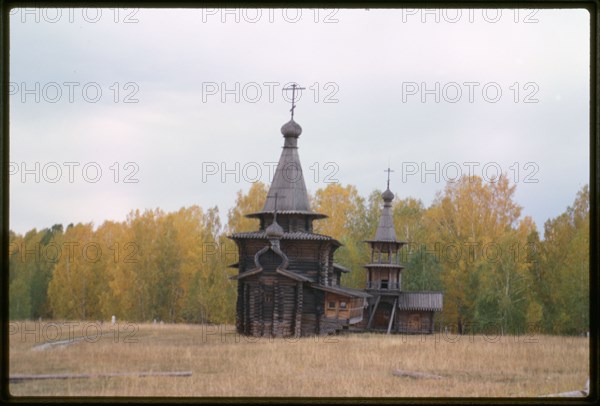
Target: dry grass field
{"x":354,"y":365}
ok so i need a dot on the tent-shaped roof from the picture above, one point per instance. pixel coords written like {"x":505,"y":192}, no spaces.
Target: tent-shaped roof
{"x":288,"y":181}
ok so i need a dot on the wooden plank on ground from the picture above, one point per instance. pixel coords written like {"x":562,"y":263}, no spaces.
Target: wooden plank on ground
{"x":415,"y":374}
{"x":21,"y":377}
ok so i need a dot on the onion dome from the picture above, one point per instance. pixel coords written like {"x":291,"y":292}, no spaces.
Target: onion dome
{"x":291,"y":129}
{"x":274,"y":230}
{"x":387,"y":196}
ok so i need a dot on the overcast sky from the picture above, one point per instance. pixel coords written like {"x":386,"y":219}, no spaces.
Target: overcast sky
{"x":162,"y":101}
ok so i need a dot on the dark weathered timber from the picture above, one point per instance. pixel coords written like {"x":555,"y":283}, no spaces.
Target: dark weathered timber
{"x":416,"y":374}
{"x":288,"y":282}
{"x":21,"y":377}
{"x":283,"y":265}
{"x":410,"y":312}
{"x":415,"y":322}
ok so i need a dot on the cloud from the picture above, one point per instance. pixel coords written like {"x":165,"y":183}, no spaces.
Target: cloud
{"x":181,"y":89}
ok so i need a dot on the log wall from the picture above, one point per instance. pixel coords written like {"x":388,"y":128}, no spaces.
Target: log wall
{"x":414,"y":322}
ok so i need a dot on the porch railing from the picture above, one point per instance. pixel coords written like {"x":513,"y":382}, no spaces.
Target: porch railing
{"x":383,"y":285}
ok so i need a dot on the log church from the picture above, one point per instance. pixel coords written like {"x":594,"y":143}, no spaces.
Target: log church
{"x":288,"y":283}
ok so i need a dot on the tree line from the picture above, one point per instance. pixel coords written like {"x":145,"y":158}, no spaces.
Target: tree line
{"x":493,"y":266}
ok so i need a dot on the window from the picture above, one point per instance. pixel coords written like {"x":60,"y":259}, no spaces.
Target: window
{"x":384,"y":284}
{"x":268,"y":298}
{"x":343,"y":305}
{"x":331,"y":305}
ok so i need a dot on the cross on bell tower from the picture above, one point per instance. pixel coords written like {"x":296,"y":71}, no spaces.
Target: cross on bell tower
{"x":293,"y":89}
{"x":388,"y":170}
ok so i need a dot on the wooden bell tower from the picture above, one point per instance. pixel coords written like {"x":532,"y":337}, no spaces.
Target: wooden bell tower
{"x":384,"y":272}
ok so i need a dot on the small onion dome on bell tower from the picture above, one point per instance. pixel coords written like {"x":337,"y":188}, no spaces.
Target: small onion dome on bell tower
{"x":387,"y":196}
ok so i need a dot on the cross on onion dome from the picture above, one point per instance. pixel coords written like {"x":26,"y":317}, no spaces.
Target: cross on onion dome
{"x":293,"y":88}
{"x":388,"y":170}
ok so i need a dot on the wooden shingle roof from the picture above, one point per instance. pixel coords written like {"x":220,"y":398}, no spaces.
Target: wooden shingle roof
{"x":384,"y":265}
{"x":288,"y":181}
{"x":340,"y":267}
{"x":287,"y":192}
{"x":385,"y":229}
{"x":296,"y":235}
{"x":420,"y":301}
{"x":312,"y":214}
{"x":342,"y":291}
